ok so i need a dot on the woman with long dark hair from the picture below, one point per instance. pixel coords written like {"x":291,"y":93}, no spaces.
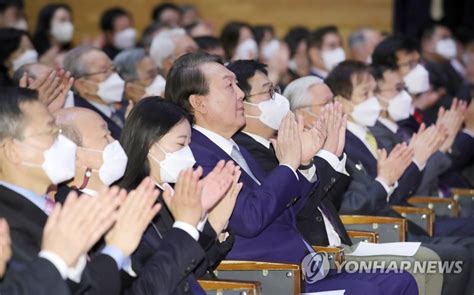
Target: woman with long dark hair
{"x":16,"y":51}
{"x":54,"y":32}
{"x":156,"y":138}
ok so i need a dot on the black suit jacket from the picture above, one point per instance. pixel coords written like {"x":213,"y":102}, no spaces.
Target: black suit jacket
{"x":26,"y":222}
{"x":40,"y":277}
{"x":167,"y":259}
{"x":309,"y":219}
{"x":81,"y":102}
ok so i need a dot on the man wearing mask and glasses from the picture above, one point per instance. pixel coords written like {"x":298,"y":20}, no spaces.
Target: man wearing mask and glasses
{"x":97,"y":85}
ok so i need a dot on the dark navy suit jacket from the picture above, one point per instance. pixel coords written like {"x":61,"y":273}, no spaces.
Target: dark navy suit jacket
{"x":263,"y":219}
{"x":407,"y":184}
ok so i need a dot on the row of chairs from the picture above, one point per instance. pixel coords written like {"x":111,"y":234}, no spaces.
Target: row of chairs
{"x":255,"y":277}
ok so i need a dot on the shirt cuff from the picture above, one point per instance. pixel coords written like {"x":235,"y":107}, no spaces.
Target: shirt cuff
{"x":333,"y":160}
{"x":191,"y":230}
{"x":309,"y":174}
{"x":75,"y":273}
{"x":202,"y":223}
{"x":56,"y":260}
{"x":296,"y":174}
{"x":387,"y":188}
{"x":468,"y":132}
{"x":420,"y":167}
{"x":116,"y":255}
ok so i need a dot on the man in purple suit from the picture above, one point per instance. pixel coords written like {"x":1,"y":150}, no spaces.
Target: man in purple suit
{"x":263,"y":220}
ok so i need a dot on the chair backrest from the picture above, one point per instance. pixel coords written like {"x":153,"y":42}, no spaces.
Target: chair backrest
{"x":275,"y":278}
{"x":231,"y":287}
{"x":441,"y":206}
{"x":423,"y":217}
{"x":465,"y":198}
{"x":389,"y":229}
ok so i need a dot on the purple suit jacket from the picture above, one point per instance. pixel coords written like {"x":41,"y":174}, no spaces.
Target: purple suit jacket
{"x":263,"y":219}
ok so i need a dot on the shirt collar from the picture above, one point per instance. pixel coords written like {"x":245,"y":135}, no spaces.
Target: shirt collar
{"x":89,"y":192}
{"x":225,"y":144}
{"x":103,"y":108}
{"x":263,"y":141}
{"x":358,"y":130}
{"x":319,"y":72}
{"x":389,"y":124}
{"x":39,"y":201}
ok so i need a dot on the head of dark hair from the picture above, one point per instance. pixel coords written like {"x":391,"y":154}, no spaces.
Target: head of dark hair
{"x":340,"y":78}
{"x":11,"y":115}
{"x":109,"y":16}
{"x":5,"y":4}
{"x":386,"y":52}
{"x":377,"y":71}
{"x":430,"y":28}
{"x":259,"y":32}
{"x":316,"y":37}
{"x":230,"y":36}
{"x":154,"y":117}
{"x":207,"y":42}
{"x":244,"y":70}
{"x":10,"y":39}
{"x":43,"y":27}
{"x":294,"y":37}
{"x":159,"y":9}
{"x":186,"y":78}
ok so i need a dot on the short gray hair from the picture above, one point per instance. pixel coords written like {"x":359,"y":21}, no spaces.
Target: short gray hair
{"x":73,"y":61}
{"x":297,"y":91}
{"x":358,"y":37}
{"x":163,"y":45}
{"x":126,"y":63}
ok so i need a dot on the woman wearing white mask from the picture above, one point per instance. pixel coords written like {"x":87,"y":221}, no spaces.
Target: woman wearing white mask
{"x":140,"y":74}
{"x":54,"y":33}
{"x":117,"y":27}
{"x":238,"y":41}
{"x":16,"y":51}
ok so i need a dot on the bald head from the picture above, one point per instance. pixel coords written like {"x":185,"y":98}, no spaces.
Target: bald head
{"x":34,"y":71}
{"x":83,"y":126}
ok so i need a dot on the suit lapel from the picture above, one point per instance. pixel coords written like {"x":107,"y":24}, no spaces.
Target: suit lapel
{"x":199,"y":139}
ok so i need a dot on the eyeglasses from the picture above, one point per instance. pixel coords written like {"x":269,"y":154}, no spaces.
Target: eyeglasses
{"x":411,"y":64}
{"x":271,"y":91}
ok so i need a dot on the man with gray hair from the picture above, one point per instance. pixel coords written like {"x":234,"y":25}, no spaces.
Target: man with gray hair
{"x":169,"y":45}
{"x":308,"y":96}
{"x":140,"y":74}
{"x":97,"y":85}
{"x":362,"y":43}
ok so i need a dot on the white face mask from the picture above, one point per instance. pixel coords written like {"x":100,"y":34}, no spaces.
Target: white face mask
{"x":62,"y":32}
{"x":59,"y":160}
{"x":270,"y":49}
{"x":125,"y":39}
{"x":333,"y":57}
{"x":174,"y":163}
{"x":30,"y":56}
{"x":417,"y":80}
{"x":157,"y":87}
{"x":272,"y":111}
{"x":21,"y":24}
{"x":367,"y":112}
{"x":114,"y":162}
{"x":246,"y":50}
{"x":399,"y":107}
{"x":446,"y":48}
{"x":111,"y":89}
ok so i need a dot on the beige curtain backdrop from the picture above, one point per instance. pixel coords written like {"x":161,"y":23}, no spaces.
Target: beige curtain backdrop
{"x":282,"y":14}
